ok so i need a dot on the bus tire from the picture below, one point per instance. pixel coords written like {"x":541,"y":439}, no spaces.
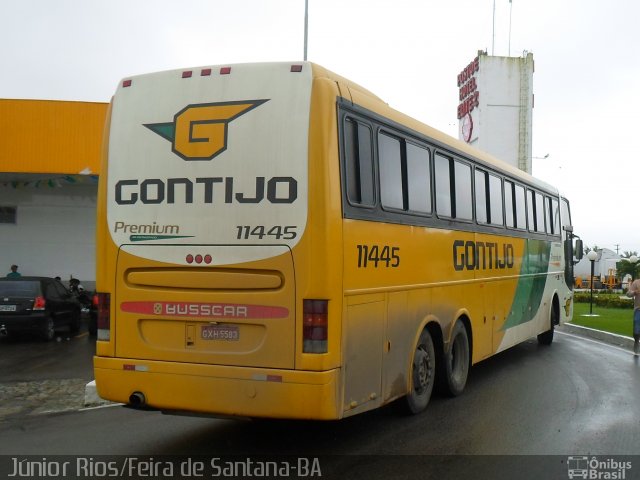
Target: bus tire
{"x":457,"y":361}
{"x":545,"y":338}
{"x":422,"y":374}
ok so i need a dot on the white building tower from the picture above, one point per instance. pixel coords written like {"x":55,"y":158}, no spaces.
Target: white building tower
{"x":495,"y":109}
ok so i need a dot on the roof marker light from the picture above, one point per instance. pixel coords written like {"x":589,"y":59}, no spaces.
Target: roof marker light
{"x":126,"y":83}
{"x":187,"y":74}
{"x":296,"y":68}
{"x":205,"y":72}
{"x":225,"y":70}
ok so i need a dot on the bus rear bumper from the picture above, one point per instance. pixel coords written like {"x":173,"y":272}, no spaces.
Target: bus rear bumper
{"x":216,"y":390}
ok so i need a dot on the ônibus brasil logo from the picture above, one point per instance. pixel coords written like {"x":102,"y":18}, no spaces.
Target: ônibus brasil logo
{"x":199,"y":132}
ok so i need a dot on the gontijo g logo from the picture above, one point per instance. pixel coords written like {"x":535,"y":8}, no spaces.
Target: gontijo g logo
{"x":199,"y":132}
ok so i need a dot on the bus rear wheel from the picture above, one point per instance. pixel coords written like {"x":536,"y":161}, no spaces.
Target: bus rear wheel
{"x":456,"y":361}
{"x":423,"y":369}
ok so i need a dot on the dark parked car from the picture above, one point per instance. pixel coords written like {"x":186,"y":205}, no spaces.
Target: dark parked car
{"x":39,"y":305}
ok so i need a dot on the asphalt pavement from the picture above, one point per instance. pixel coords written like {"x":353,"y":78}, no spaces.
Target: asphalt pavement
{"x":48,"y":377}
{"x":38,"y":377}
{"x":530,"y":412}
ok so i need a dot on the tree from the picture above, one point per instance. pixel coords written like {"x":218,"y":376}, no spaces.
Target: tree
{"x":625,"y":267}
{"x":627,"y":254}
{"x":595,"y":248}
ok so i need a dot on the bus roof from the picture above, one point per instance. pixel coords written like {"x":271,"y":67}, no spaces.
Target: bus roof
{"x":458,"y":146}
{"x":447,"y":141}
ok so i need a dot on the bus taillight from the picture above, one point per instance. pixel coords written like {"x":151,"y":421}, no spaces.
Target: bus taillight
{"x":102,"y":304}
{"x":315,"y":325}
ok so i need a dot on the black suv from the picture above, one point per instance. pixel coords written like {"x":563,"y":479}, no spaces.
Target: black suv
{"x":39,"y":305}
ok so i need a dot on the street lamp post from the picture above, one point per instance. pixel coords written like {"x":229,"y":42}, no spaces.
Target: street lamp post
{"x":591,"y":256}
{"x":306,"y":28}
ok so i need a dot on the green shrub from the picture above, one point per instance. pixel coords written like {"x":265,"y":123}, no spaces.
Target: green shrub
{"x":607,"y":300}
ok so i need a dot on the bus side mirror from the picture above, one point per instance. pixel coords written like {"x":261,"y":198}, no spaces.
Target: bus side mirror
{"x":578,"y":250}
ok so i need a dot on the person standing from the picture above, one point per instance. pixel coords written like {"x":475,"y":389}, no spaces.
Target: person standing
{"x":634,"y":291}
{"x":14,"y":272}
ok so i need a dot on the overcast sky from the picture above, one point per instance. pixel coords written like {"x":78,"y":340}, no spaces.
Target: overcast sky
{"x":408,"y":52}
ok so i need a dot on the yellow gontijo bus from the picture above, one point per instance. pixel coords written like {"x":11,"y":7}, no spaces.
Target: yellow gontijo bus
{"x":276,"y":241}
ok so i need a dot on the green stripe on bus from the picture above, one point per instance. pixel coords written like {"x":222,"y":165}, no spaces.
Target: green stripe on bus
{"x":142,"y":238}
{"x":528,"y":297}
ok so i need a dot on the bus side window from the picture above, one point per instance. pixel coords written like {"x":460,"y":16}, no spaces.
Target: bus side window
{"x":418,"y":179}
{"x":495,"y":201}
{"x":550,"y":209}
{"x":531,"y":210}
{"x":481,"y":196}
{"x":520,"y":207}
{"x":463,"y":204}
{"x":390,"y":164}
{"x":358,"y":163}
{"x":540,"y":227}
{"x":547,"y":215}
{"x":509,"y":204}
{"x":565,"y":213}
{"x":555,"y":213}
{"x":443,"y":185}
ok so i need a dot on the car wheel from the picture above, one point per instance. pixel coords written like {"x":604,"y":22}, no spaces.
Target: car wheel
{"x":48,"y":333}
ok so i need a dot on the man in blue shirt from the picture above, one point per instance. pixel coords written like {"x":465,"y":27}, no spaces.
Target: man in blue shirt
{"x":634,"y":291}
{"x":14,"y":272}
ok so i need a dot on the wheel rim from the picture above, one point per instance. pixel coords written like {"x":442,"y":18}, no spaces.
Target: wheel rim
{"x":422,"y":370}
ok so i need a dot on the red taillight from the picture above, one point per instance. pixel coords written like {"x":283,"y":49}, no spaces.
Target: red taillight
{"x":315,"y":324}
{"x":39,"y":303}
{"x":102,"y":302}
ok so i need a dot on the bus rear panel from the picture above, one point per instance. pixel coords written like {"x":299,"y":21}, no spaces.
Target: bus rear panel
{"x":203,"y":203}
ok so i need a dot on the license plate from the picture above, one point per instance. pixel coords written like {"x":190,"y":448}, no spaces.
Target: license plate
{"x":7,"y":308}
{"x":229,"y":333}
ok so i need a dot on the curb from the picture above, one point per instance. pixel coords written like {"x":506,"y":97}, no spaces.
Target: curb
{"x":606,"y":337}
{"x":91,"y":397}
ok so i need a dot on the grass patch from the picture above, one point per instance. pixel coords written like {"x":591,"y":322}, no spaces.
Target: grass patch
{"x":612,"y":320}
